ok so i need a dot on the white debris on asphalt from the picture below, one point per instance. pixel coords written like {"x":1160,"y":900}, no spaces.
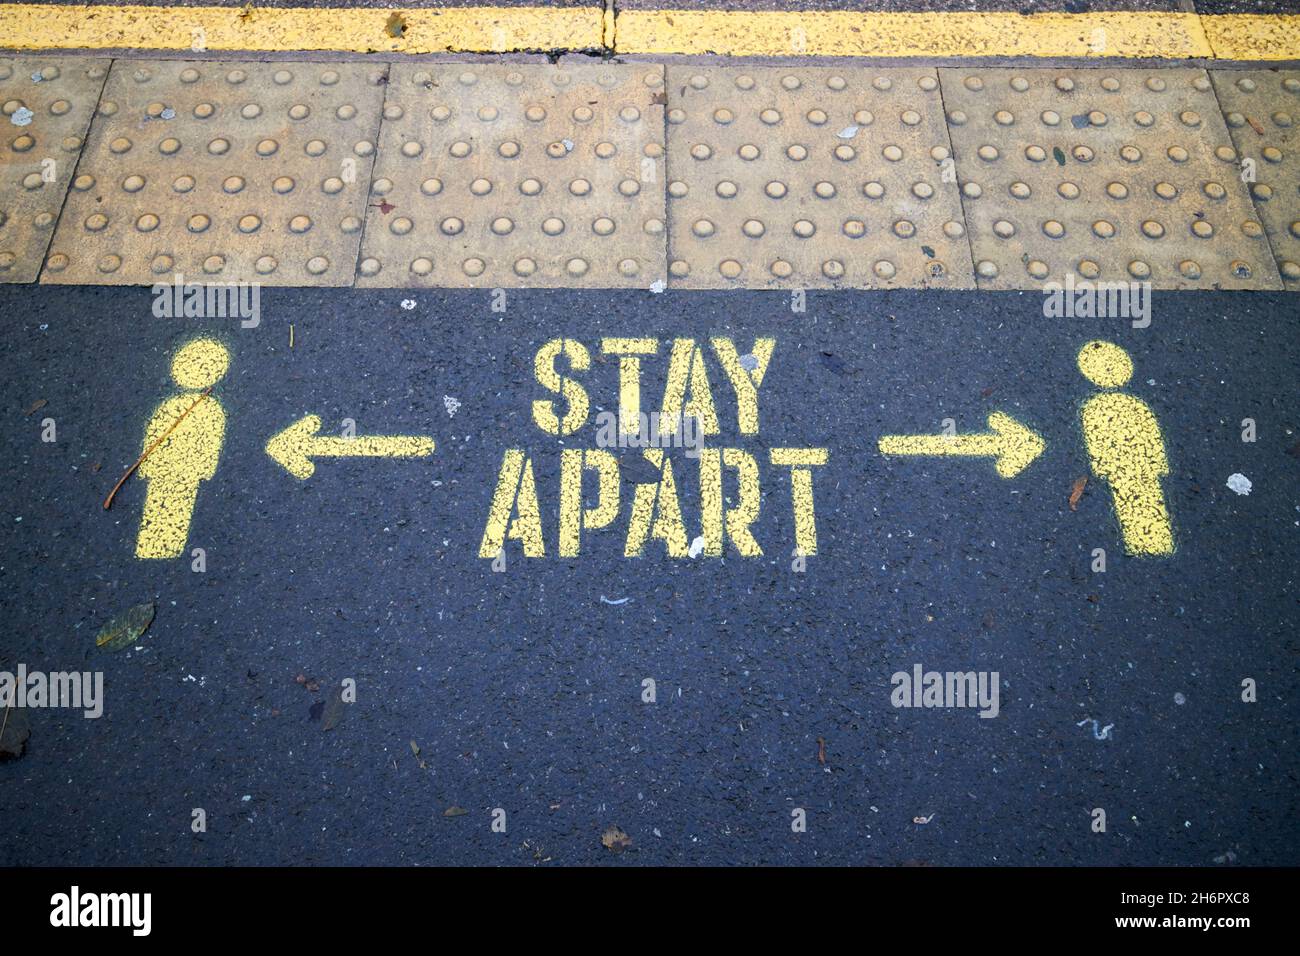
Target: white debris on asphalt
{"x":451,"y":404}
{"x":1103,"y":734}
{"x":1239,"y":483}
{"x":408,"y":304}
{"x":21,"y":116}
{"x":697,"y":546}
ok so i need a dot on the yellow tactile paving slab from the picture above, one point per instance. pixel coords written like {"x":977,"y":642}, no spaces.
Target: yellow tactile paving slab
{"x":1262,"y":109}
{"x":811,"y":177}
{"x":1249,"y":37}
{"x":486,"y":29}
{"x":230,"y":171}
{"x":1107,"y":175}
{"x":46,"y":108}
{"x":519,"y":175}
{"x":789,"y":33}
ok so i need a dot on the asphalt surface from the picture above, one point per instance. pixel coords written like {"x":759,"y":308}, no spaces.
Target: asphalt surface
{"x":523,"y":688}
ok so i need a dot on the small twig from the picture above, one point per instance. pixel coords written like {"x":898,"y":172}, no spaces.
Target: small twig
{"x":108,"y":502}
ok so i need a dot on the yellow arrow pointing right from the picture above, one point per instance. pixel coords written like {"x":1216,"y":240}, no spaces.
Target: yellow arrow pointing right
{"x":1012,"y":445}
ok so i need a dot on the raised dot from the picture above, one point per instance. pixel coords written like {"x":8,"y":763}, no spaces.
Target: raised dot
{"x":855,"y":228}
{"x":161,"y":264}
{"x":1103,"y":229}
{"x":1139,"y":269}
{"x":1068,"y":190}
{"x":300,"y":224}
{"x":473,"y":266}
{"x":1117,"y":191}
{"x":1053,"y":229}
{"x":1152,"y":229}
{"x":730,"y":269}
{"x":552,"y":225}
{"x":283,"y":185}
{"x":249,"y":223}
{"x":480,"y":187}
{"x":198,"y":223}
{"x":804,"y":229}
{"x":580,"y":187}
{"x":753,"y":228}
{"x":1189,"y":269}
{"x":884,"y":269}
{"x":702,"y":228}
{"x":775,"y":189}
{"x":1165,"y":190}
{"x":1020,"y":190}
{"x":451,"y":226}
{"x":1004,"y":229}
{"x":604,"y":226}
{"x":726,"y":189}
{"x":1089,"y":269}
{"x":1202,"y":229}
{"x":317,"y":265}
{"x":1037,"y":268}
{"x":147,"y":223}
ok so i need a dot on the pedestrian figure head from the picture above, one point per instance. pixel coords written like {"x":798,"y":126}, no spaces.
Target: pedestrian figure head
{"x":1105,"y":364}
{"x":200,"y":363}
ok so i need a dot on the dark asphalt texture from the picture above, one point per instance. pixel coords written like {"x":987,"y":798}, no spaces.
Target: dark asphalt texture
{"x":523,"y":689}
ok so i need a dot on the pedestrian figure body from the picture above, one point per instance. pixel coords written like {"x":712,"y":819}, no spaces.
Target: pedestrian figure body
{"x":1127,"y":450}
{"x":187,"y":456}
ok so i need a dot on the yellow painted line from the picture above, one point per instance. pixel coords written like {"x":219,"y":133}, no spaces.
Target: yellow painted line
{"x":1126,"y":449}
{"x":1011,"y":444}
{"x":946,"y":34}
{"x":483,"y":29}
{"x":295,"y":447}
{"x":1253,"y":36}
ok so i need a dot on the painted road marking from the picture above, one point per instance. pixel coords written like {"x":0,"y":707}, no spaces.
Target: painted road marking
{"x":1126,"y":449}
{"x":481,"y":29}
{"x":187,"y":456}
{"x":294,"y":448}
{"x":1013,"y":446}
{"x":688,"y":407}
{"x":489,"y":29}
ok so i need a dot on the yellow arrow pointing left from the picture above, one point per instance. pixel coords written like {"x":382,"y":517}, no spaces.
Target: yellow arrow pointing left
{"x":295,"y":447}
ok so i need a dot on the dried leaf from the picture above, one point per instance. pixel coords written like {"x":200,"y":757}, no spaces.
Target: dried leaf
{"x":1076,"y":492}
{"x":615,"y":839}
{"x":13,"y":733}
{"x":455,"y":812}
{"x":1256,"y":125}
{"x":821,"y":751}
{"x":396,"y":25}
{"x":125,"y":629}
{"x":415,"y":748}
{"x":246,"y":13}
{"x":36,"y":406}
{"x":335,"y":709}
{"x":923,"y":820}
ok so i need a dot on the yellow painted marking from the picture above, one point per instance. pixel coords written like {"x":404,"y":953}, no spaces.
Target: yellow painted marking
{"x":800,"y":460}
{"x":1243,"y":36}
{"x":744,"y":381}
{"x":516,"y":489}
{"x":686,"y":371}
{"x":573,"y":517}
{"x":950,"y":34}
{"x":481,"y":29}
{"x":656,"y":512}
{"x":579,"y":360}
{"x":1012,"y":445}
{"x":714,"y":519}
{"x":187,"y":456}
{"x":489,"y":29}
{"x":294,"y":448}
{"x":629,"y":378}
{"x":1127,"y":450}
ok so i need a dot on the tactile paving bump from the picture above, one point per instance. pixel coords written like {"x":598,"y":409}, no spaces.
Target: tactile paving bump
{"x":811,"y":177}
{"x":519,"y":175}
{"x":47,"y":105}
{"x":1116,"y":176}
{"x":223,"y":172}
{"x":1262,"y":108}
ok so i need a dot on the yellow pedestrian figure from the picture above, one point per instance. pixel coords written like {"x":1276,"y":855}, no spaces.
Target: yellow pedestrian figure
{"x":1127,"y":450}
{"x":186,"y":456}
